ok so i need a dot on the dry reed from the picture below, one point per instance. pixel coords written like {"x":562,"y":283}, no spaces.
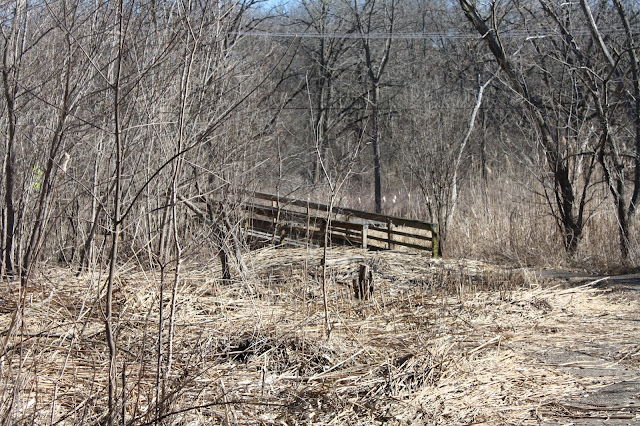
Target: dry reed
{"x":440,"y":342}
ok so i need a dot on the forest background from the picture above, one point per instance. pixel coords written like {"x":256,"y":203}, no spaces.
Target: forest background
{"x":514,"y":125}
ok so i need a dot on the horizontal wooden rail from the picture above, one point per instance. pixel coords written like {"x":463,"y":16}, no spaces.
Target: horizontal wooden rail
{"x":292,"y":219}
{"x":398,"y":221}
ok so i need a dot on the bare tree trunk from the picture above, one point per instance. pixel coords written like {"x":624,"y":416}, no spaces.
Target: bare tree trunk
{"x":47,"y":188}
{"x":635,"y":79}
{"x":221,"y":236}
{"x":453,"y":201}
{"x":164,"y":232}
{"x":484,"y":170}
{"x":116,"y":219}
{"x":328,"y":64}
{"x":9,"y":172}
{"x":326,"y":243}
{"x":159,"y":348}
{"x":12,"y":57}
{"x":321,"y":133}
{"x":322,"y":109}
{"x":609,"y":155}
{"x":87,"y":253}
{"x":236,"y":244}
{"x":189,"y":58}
{"x":375,"y":144}
{"x":570,"y":223}
{"x":374,"y":74}
{"x":3,"y":236}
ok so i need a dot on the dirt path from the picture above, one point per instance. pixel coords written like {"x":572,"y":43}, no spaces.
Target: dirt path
{"x":628,"y":283}
{"x":614,"y":394}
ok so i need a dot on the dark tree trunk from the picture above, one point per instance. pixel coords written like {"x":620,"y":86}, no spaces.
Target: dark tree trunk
{"x":375,"y":143}
{"x":570,"y":222}
{"x":9,"y":173}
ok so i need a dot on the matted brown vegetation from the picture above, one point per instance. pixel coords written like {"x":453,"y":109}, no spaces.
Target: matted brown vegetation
{"x":439,"y":342}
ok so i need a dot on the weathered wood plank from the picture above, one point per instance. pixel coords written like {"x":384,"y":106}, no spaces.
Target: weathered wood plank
{"x":398,"y":221}
{"x":401,"y":233}
{"x":289,"y":218}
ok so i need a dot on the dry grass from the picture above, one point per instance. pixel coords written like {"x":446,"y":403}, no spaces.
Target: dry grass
{"x":505,"y":221}
{"x":440,"y":342}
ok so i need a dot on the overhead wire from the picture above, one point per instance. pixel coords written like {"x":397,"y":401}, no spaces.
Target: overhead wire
{"x":455,"y":34}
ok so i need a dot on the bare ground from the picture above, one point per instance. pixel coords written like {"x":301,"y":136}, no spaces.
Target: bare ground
{"x":599,"y":358}
{"x":440,"y":342}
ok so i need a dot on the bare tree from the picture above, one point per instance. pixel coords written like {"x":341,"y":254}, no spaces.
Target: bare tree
{"x":328,"y":58}
{"x":567,"y":200}
{"x":371,"y":17}
{"x":14,"y":44}
{"x":616,"y":92}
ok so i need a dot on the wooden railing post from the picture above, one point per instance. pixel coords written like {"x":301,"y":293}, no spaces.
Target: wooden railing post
{"x":365,"y":231}
{"x":324,"y":237}
{"x":308,"y":221}
{"x":389,"y":234}
{"x":274,"y":204}
{"x":434,"y":240}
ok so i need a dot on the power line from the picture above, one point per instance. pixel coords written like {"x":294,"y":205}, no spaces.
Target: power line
{"x":374,"y":36}
{"x":453,"y":35}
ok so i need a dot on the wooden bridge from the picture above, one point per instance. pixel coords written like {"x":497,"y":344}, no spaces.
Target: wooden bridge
{"x":284,"y":220}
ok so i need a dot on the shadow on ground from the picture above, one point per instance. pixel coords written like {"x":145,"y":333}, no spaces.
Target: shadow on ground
{"x":627,"y":282}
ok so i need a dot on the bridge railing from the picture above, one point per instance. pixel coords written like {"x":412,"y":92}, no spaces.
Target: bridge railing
{"x":292,"y":220}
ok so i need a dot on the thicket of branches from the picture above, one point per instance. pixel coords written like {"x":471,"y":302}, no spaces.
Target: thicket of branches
{"x":116,"y":116}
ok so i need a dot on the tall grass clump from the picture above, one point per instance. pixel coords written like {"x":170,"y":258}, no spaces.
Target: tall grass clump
{"x":508,"y":221}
